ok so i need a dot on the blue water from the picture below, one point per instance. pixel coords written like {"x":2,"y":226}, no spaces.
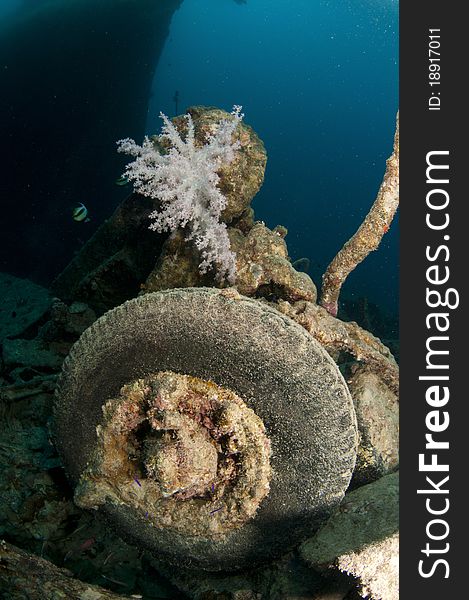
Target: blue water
{"x":7,"y":7}
{"x":318,"y":82}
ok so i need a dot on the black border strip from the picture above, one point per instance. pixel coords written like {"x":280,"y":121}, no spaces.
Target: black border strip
{"x":423,"y":131}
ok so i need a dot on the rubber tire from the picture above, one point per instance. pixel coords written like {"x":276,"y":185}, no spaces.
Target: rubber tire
{"x":278,"y":369}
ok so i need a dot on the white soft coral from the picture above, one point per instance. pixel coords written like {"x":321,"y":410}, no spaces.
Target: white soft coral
{"x":185,"y":181}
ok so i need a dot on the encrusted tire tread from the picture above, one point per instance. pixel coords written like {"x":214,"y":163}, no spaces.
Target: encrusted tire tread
{"x":265,"y":357}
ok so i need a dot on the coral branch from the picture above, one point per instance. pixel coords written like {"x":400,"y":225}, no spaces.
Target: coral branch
{"x":368,"y":236}
{"x":184,"y":180}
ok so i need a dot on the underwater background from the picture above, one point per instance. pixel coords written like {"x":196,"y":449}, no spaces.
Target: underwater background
{"x":318,"y":81}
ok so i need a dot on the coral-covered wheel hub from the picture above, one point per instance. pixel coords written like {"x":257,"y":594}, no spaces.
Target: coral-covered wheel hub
{"x":185,"y":453}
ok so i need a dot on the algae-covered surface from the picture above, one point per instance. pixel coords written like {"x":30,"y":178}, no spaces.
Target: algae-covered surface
{"x":38,"y":511}
{"x":229,"y":439}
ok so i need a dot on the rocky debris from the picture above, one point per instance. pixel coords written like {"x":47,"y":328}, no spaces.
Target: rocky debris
{"x":362,"y":539}
{"x":31,"y":353}
{"x":377,"y":410}
{"x":25,"y":574}
{"x":302,"y":264}
{"x":188,"y":431}
{"x":24,"y":389}
{"x":340,"y":337}
{"x":288,"y":578}
{"x":243,"y":177}
{"x":29,"y":364}
{"x":37,"y":511}
{"x":113,"y":263}
{"x":263,"y":266}
{"x":377,"y":568}
{"x":26,"y":362}
{"x":38,"y":515}
{"x":177,"y":266}
{"x":22,"y":305}
{"x":372,"y":317}
{"x":245,"y":222}
{"x":22,"y":375}
{"x":264,"y":271}
{"x":288,"y":379}
{"x":73,"y":319}
{"x":206,"y":586}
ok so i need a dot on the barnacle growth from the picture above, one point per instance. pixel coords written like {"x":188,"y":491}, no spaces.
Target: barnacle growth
{"x":184,"y":453}
{"x":206,"y":427}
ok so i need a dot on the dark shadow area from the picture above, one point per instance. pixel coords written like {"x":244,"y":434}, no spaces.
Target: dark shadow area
{"x":75,"y":77}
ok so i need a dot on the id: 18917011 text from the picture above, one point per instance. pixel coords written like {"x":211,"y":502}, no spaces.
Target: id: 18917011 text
{"x":434,"y":69}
